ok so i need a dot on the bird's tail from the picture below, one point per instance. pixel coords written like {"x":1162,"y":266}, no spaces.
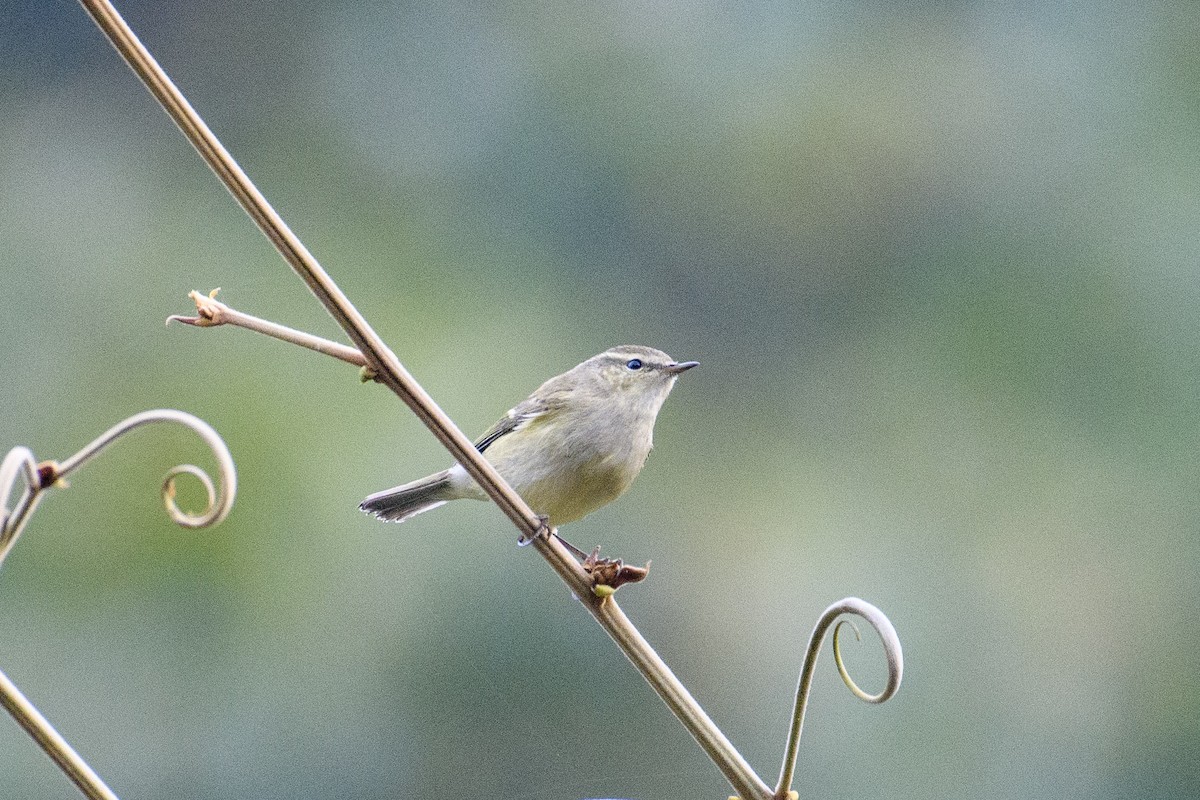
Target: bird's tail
{"x":402,"y":502}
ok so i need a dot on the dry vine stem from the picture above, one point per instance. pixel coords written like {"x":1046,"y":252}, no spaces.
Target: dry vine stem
{"x":389,"y":371}
{"x":19,"y":466}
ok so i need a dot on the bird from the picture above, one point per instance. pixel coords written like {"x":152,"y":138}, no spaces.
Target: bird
{"x":572,"y":446}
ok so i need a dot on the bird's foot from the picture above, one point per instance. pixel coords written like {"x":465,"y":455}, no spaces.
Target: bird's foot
{"x":544,"y":531}
{"x":575,"y":551}
{"x":608,"y":574}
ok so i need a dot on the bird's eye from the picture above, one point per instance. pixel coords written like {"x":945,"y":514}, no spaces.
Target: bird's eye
{"x":634,"y":363}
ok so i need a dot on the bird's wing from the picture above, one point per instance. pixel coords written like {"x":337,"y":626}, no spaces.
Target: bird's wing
{"x":519,"y":416}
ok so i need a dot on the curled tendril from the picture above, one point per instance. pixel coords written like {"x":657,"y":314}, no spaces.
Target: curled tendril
{"x":892,"y":652}
{"x":19,"y":465}
{"x":866,"y":697}
{"x":180,"y":517}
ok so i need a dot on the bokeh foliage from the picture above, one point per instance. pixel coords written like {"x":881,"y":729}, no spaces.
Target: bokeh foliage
{"x":938,"y":261}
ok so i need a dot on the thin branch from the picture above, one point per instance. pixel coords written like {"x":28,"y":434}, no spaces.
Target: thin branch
{"x":37,"y":726}
{"x":389,"y":371}
{"x":211,"y":312}
{"x":393,"y":375}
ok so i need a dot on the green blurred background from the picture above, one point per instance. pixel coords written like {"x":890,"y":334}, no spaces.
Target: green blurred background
{"x":938,"y":262}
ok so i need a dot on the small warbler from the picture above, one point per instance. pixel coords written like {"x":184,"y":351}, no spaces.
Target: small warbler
{"x":572,"y":446}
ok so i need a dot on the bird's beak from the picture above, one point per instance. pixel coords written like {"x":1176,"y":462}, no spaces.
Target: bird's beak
{"x":682,"y":366}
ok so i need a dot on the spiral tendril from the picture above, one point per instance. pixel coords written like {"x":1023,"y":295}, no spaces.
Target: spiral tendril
{"x":179,"y":516}
{"x":892,"y":652}
{"x":19,"y":466}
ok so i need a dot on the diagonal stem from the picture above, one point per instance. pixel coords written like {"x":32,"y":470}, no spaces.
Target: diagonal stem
{"x":392,"y":374}
{"x":29,"y":718}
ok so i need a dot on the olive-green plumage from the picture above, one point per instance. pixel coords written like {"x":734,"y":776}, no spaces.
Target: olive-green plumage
{"x":572,"y":446}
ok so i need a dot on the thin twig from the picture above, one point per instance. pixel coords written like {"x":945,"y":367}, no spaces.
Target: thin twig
{"x":211,"y":313}
{"x":37,"y":726}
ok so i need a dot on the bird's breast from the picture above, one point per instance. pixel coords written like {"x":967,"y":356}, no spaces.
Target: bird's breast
{"x":568,"y":494}
{"x":573,"y":467}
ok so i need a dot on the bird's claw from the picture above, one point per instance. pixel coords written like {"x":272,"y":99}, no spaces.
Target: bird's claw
{"x":608,"y":574}
{"x":544,"y":531}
